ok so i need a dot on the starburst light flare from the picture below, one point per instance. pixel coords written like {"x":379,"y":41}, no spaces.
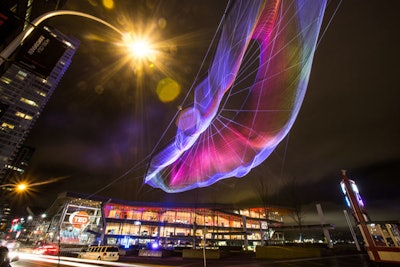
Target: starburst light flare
{"x":214,"y":141}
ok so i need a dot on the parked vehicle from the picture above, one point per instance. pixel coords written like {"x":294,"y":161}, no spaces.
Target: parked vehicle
{"x":104,"y":253}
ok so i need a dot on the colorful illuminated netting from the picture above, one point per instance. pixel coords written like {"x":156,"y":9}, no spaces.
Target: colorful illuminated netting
{"x":215,"y":141}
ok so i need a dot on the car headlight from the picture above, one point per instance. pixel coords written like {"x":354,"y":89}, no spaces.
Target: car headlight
{"x":12,"y":254}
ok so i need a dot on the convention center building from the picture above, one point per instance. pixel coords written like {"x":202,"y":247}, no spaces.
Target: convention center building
{"x":77,"y":219}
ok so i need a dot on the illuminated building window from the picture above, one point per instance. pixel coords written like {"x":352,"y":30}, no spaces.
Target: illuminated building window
{"x":168,"y":216}
{"x":5,"y":80}
{"x":21,"y":75}
{"x":29,"y":102}
{"x":7,"y":125}
{"x":10,"y":167}
{"x":23,"y":115}
{"x":183,"y":217}
{"x":41,"y":93}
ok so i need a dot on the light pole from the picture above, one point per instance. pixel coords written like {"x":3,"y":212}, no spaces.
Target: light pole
{"x":5,"y":54}
{"x":139,"y":48}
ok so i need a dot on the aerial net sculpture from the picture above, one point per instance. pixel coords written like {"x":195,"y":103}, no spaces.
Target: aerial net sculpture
{"x":214,"y":141}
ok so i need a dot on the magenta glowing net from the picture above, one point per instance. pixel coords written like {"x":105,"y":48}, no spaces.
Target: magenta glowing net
{"x":214,"y":141}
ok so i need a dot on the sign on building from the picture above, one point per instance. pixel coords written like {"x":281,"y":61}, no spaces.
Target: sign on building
{"x":40,"y":52}
{"x":79,"y":219}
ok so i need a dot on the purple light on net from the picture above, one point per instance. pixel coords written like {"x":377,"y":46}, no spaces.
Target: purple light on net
{"x":210,"y":146}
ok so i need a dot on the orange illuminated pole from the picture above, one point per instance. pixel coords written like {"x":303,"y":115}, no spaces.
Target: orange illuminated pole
{"x":360,"y":216}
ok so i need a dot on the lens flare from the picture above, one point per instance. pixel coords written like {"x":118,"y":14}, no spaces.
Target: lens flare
{"x":140,"y":49}
{"x":21,"y":187}
{"x":168,"y":90}
{"x":109,"y":4}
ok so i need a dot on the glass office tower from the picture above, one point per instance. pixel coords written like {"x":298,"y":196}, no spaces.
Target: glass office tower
{"x":27,"y":81}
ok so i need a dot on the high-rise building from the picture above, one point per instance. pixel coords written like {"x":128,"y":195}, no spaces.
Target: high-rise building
{"x":32,"y":74}
{"x":4,"y":214}
{"x":29,"y":73}
{"x":16,"y":169}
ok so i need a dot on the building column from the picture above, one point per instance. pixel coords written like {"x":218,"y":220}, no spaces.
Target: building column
{"x":246,"y":242}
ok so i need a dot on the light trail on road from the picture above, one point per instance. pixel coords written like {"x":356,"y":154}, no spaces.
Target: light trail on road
{"x":68,"y":261}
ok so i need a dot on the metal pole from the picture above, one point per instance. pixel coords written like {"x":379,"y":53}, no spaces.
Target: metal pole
{"x":351,"y":230}
{"x":324,"y":229}
{"x":5,"y":54}
{"x":204,"y":238}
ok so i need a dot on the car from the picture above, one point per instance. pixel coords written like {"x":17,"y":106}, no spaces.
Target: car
{"x":12,"y":246}
{"x":104,"y":253}
{"x":47,"y":249}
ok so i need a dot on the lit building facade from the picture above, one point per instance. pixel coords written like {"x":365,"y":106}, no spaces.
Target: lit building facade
{"x":178,"y":224}
{"x":26,"y":85}
{"x":81,"y":220}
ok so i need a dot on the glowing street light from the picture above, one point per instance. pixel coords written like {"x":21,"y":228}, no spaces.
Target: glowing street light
{"x":29,"y":187}
{"x":19,"y":187}
{"x":21,"y":37}
{"x":139,"y":48}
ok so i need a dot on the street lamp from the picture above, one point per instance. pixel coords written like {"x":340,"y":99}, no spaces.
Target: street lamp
{"x":140,"y":48}
{"x":5,"y":54}
{"x":19,"y":187}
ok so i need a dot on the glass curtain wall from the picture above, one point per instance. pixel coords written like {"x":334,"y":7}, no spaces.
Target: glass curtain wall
{"x":127,"y":225}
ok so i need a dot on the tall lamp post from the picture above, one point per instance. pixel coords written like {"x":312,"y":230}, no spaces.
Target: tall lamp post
{"x":5,"y":54}
{"x":138,"y":48}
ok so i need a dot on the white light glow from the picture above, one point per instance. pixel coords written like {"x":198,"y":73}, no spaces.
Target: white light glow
{"x":140,"y":49}
{"x":68,"y":261}
{"x":343,"y":186}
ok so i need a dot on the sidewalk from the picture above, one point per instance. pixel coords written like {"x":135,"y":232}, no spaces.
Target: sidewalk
{"x":341,"y":258}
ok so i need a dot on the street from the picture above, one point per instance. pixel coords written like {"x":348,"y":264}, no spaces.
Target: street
{"x":353,"y":260}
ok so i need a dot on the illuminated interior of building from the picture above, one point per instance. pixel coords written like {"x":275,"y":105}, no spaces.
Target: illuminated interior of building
{"x":83,"y":221}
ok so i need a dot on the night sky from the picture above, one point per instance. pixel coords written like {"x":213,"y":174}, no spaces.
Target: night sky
{"x":103,"y":122}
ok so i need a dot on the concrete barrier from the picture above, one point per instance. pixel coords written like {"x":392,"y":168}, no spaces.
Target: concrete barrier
{"x":281,"y":252}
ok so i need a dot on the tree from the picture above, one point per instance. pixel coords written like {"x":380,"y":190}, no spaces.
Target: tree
{"x":295,"y":200}
{"x":263,"y":193}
